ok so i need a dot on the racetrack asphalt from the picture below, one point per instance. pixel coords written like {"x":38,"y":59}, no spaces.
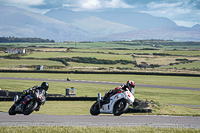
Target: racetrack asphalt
{"x":100,"y":121}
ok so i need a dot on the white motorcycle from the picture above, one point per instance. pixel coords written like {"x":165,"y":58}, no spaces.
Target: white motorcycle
{"x":116,"y":105}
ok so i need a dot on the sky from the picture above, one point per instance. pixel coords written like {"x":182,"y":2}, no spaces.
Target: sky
{"x":182,"y":12}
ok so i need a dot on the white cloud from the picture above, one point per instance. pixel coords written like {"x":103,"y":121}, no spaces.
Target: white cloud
{"x":22,"y":2}
{"x":186,"y":23}
{"x":181,"y":12}
{"x":154,"y":5}
{"x":116,"y":4}
{"x":100,"y":4}
{"x":90,"y":4}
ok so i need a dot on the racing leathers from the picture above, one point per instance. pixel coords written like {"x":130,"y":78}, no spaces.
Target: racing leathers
{"x":117,"y":90}
{"x":29,"y":91}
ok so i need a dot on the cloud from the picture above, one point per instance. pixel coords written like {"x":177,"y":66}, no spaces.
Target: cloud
{"x":99,"y":4}
{"x":186,"y":23}
{"x":154,"y":5}
{"x":22,"y":2}
{"x":117,"y":4}
{"x":184,"y":13}
{"x":170,"y":10}
{"x":90,"y":4}
{"x":179,"y":11}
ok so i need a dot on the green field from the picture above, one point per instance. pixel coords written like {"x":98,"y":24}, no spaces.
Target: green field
{"x":135,"y":44}
{"x":116,"y":51}
{"x":122,"y":78}
{"x":186,"y":53}
{"x":143,"y":52}
{"x":9,"y":63}
{"x":72,"y":54}
{"x":147,"y":56}
{"x":163,"y":96}
{"x":91,"y":90}
{"x":194,"y":65}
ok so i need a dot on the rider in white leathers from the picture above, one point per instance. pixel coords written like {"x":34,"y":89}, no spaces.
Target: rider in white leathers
{"x":129,"y":84}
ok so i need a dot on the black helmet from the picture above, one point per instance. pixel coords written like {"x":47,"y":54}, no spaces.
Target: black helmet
{"x":45,"y":86}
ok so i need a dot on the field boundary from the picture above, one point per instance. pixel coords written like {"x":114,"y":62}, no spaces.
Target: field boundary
{"x":6,"y":95}
{"x":102,"y":72}
{"x":57,"y":98}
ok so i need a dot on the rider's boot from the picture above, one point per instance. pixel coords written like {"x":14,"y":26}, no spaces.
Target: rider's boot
{"x":105,"y":98}
{"x":37,"y":109}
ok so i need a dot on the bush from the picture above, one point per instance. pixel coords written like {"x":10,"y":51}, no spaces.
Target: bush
{"x":182,"y":60}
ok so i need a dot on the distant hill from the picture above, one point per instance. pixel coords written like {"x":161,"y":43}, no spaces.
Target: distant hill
{"x":21,"y":23}
{"x":92,"y":24}
{"x":196,"y":27}
{"x":177,"y":33}
{"x":135,"y":19}
{"x":65,"y":25}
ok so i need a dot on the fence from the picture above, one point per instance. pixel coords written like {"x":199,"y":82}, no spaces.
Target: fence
{"x":9,"y":96}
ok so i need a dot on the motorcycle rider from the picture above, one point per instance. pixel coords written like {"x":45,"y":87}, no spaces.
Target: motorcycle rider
{"x":44,"y":86}
{"x":129,"y":84}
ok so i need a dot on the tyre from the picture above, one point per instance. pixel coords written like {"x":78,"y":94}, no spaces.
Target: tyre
{"x":30,"y":107}
{"x":94,"y":110}
{"x":120,"y":107}
{"x":12,"y":110}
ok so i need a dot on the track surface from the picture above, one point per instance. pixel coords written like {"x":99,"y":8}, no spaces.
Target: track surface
{"x":103,"y":82}
{"x":102,"y":120}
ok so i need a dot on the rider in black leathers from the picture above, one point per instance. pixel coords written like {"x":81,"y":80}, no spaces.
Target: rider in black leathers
{"x":43,"y":86}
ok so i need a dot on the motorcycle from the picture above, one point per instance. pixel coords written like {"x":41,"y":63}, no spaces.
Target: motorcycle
{"x":28,"y":104}
{"x":116,"y":104}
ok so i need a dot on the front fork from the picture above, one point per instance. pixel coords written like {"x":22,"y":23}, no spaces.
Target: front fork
{"x":16,"y":98}
{"x":99,"y":100}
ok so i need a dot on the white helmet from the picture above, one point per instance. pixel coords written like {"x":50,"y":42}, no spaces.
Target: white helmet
{"x":130,"y":84}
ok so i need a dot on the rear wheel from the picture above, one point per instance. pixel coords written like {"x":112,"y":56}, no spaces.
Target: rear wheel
{"x":120,"y":107}
{"x":30,"y":107}
{"x":94,"y":110}
{"x":12,"y":110}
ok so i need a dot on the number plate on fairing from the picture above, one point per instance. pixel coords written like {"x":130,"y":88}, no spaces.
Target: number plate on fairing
{"x":27,"y":98}
{"x":128,"y":94}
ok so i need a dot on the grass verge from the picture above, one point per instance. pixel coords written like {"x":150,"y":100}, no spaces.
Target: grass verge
{"x":83,"y":108}
{"x":61,"y":129}
{"x":164,"y":96}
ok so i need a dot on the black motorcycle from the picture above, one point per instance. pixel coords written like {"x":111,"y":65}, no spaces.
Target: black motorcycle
{"x":29,"y":103}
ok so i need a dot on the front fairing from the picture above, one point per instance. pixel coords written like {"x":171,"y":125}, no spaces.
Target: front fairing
{"x":108,"y":108}
{"x":25,"y":100}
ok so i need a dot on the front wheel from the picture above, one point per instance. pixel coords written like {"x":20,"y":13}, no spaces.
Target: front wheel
{"x":94,"y":110}
{"x":30,"y":107}
{"x":120,"y":107}
{"x":12,"y":110}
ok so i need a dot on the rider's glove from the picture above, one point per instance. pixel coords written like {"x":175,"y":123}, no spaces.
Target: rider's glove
{"x":110,"y":91}
{"x":34,"y":87}
{"x":117,"y":89}
{"x":24,"y":92}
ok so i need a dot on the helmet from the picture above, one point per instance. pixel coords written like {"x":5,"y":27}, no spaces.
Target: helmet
{"x":130,"y":84}
{"x":45,"y":86}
